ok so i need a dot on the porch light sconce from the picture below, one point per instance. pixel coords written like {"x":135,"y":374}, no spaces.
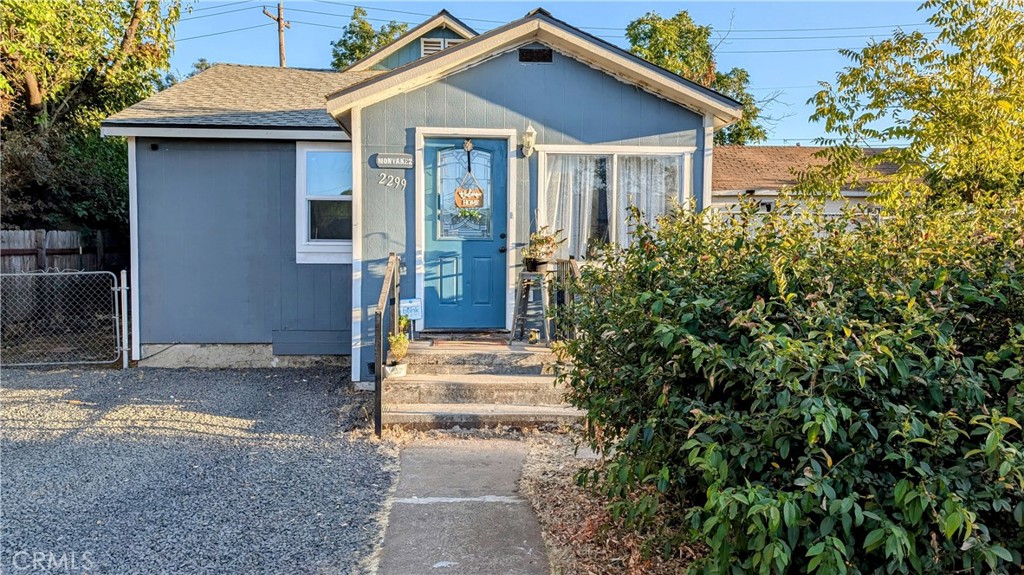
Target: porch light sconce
{"x":529,"y":140}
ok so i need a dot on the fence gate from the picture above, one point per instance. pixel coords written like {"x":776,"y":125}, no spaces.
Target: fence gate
{"x":56,"y":318}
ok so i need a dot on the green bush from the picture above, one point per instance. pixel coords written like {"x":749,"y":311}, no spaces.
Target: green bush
{"x":812,"y":394}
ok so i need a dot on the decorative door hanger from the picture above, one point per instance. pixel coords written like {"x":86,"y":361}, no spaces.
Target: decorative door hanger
{"x":469,"y":193}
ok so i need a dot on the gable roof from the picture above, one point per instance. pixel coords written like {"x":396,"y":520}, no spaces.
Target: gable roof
{"x":236,"y":96}
{"x":538,"y":26}
{"x":768,"y":168}
{"x":442,"y":19}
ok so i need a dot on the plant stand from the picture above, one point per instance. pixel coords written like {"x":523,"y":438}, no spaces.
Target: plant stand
{"x":527,"y":283}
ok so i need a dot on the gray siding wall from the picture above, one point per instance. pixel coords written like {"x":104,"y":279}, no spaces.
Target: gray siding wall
{"x":413,"y":50}
{"x":566,"y":101}
{"x":217,"y":251}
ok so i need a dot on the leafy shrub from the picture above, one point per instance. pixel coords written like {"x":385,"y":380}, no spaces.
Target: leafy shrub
{"x":812,"y":394}
{"x":64,"y":179}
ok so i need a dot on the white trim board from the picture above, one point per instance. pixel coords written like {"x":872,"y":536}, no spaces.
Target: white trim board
{"x":133,"y":231}
{"x":225,"y":133}
{"x":709,"y":145}
{"x":511,"y":197}
{"x":357,"y":251}
{"x":603,"y":150}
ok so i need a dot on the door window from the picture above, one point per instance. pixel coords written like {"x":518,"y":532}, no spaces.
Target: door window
{"x":464,"y":191}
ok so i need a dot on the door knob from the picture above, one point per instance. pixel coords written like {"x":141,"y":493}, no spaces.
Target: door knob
{"x":502,"y":235}
{"x":502,"y":250}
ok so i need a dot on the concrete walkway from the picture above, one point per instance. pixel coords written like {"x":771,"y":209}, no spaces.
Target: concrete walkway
{"x":457,"y":511}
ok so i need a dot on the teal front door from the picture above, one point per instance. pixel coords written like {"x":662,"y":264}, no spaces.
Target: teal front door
{"x":466,"y":231}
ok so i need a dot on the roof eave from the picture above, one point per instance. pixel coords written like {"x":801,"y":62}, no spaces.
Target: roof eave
{"x":540,"y":28}
{"x":442,"y":18}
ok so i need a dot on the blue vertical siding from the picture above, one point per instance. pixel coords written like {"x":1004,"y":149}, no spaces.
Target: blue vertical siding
{"x":217,"y":251}
{"x":566,"y":101}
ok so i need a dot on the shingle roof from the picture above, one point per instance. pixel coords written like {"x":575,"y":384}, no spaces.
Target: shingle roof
{"x":737,"y":168}
{"x":232,"y":95}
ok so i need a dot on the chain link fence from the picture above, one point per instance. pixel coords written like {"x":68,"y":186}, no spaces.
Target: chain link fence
{"x":59,"y":318}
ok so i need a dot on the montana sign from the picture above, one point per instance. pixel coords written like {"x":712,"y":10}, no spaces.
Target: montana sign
{"x":382,"y":161}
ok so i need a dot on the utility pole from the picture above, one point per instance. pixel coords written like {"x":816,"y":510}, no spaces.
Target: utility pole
{"x":281,"y":25}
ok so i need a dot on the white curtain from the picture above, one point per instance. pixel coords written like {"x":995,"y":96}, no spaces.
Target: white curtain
{"x":650,"y":183}
{"x":576,"y":188}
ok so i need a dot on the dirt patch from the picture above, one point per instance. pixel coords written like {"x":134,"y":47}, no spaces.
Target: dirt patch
{"x":575,"y":525}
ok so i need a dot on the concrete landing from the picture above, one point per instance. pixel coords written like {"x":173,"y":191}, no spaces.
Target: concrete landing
{"x":457,"y":511}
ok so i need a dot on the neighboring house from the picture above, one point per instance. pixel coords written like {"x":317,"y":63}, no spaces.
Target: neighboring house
{"x":763,"y":171}
{"x":265,"y":201}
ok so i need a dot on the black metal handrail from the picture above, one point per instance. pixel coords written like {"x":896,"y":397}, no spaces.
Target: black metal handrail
{"x":387,"y":309}
{"x":567,"y":273}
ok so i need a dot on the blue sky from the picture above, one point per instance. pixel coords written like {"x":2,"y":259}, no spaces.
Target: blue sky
{"x":786,"y":46}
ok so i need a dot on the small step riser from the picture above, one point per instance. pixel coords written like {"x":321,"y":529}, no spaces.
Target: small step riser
{"x":447,"y":421}
{"x":462,"y":368}
{"x":455,"y":393}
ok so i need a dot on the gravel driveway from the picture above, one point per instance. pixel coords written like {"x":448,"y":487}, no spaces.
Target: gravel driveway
{"x":186,"y":471}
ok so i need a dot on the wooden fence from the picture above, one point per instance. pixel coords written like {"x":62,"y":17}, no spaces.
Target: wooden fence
{"x":42,"y":250}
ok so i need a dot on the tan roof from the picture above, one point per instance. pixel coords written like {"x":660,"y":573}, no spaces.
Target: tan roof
{"x":737,"y":168}
{"x":236,"y":96}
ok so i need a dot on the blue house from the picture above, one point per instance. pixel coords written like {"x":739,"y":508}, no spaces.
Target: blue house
{"x":265,"y":201}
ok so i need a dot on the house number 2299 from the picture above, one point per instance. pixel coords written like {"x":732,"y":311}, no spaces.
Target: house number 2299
{"x":392,"y":182}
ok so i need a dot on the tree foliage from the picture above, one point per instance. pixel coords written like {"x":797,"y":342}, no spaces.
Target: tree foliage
{"x":681,"y":46}
{"x":360,"y":39}
{"x":812,"y":395}
{"x":951,"y":106}
{"x":79,"y":61}
{"x":63,"y":67}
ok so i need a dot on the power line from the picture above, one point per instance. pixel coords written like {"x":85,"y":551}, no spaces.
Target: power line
{"x":408,"y":12}
{"x":604,"y":36}
{"x":220,"y":6}
{"x":781,"y":51}
{"x":890,"y":26}
{"x":786,"y":87}
{"x":224,"y":32}
{"x":316,"y":23}
{"x":617,"y":29}
{"x":215,"y":14}
{"x":731,"y":38}
{"x":621,"y":36}
{"x":349,"y":17}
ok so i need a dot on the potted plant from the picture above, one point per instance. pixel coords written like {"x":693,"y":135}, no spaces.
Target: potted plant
{"x":541,"y":249}
{"x":399,"y":348}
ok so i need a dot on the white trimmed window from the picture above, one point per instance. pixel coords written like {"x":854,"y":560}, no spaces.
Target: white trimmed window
{"x":587,"y":191}
{"x":430,"y":46}
{"x":323,"y":203}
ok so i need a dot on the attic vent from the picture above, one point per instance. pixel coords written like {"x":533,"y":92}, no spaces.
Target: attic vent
{"x":430,"y":46}
{"x":535,"y":55}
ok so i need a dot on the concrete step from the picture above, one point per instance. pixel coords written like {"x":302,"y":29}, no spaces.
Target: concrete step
{"x":474,"y":388}
{"x":469,"y":415}
{"x":504,"y":360}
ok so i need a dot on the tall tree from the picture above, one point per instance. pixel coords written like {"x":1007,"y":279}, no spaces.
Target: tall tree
{"x":65,"y":65}
{"x":80,"y":60}
{"x":680,"y":45}
{"x":361,"y":39}
{"x":948,"y":110}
